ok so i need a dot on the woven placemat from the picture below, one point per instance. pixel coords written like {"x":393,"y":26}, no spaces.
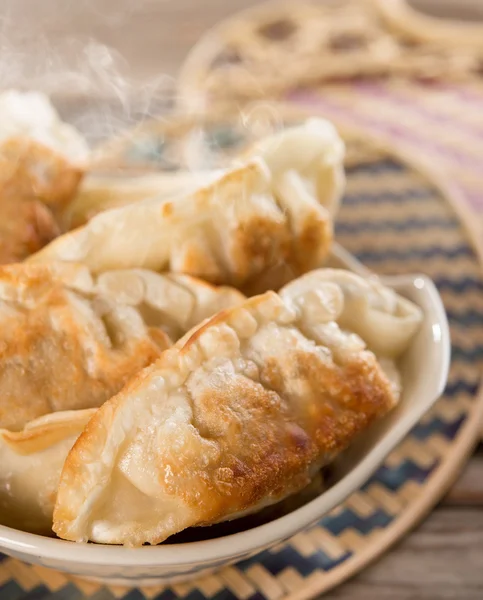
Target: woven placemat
{"x":266,"y":51}
{"x":397,"y":217}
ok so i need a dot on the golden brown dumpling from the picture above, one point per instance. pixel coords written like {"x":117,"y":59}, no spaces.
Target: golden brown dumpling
{"x":26,"y":226}
{"x":70,"y":341}
{"x":40,"y":155}
{"x":42,"y":161}
{"x":275,"y":207}
{"x":98,"y":192}
{"x":239,"y":414}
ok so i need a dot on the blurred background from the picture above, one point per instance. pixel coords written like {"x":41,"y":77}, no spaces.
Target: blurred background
{"x":145,"y":41}
{"x":150,"y":37}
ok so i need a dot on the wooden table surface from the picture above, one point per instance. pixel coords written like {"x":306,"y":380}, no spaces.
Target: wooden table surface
{"x":443,"y":558}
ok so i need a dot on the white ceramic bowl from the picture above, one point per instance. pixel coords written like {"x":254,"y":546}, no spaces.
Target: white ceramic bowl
{"x":424,"y":372}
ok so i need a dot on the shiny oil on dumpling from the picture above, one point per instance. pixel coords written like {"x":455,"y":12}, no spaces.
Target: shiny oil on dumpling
{"x":71,"y":341}
{"x":272,"y":207}
{"x":239,"y":414}
{"x":42,"y":160}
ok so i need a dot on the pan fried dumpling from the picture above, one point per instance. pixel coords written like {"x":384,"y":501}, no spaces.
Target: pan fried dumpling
{"x":307,"y":159}
{"x":98,"y":193}
{"x":40,"y":155}
{"x":175,"y":303}
{"x":41,"y":163}
{"x":227,"y":231}
{"x":383,"y":319}
{"x":31,"y":461}
{"x":69,"y":341}
{"x":26,"y":226}
{"x":239,"y":414}
{"x":311,"y":154}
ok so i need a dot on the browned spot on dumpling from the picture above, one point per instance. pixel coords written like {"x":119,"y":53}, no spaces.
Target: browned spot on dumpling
{"x":26,"y":226}
{"x":279,"y":30}
{"x":409,"y":43}
{"x":226,"y":58}
{"x":167,"y":209}
{"x":347,"y":42}
{"x":229,"y":439}
{"x":196,"y":258}
{"x":257,"y":244}
{"x":313,"y":243}
{"x":30,"y":169}
{"x":160,"y":338}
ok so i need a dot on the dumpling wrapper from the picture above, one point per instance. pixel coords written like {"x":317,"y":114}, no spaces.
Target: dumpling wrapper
{"x":40,"y":155}
{"x":42,"y":160}
{"x":229,"y":230}
{"x":238,"y":415}
{"x":31,"y":461}
{"x":70,"y":341}
{"x":310,"y":156}
{"x":383,"y":319}
{"x":296,"y":149}
{"x":98,"y":193}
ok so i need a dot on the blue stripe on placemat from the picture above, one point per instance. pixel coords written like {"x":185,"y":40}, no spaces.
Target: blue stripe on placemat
{"x":467,"y":354}
{"x":423,"y":253}
{"x":461,"y":387}
{"x":68,"y":592}
{"x":394,"y":478}
{"x":11,"y":591}
{"x":136,"y":594}
{"x":381,"y":226}
{"x":465,"y":319}
{"x":197,"y":595}
{"x":423,"y":431}
{"x":275,"y":562}
{"x":388,"y":197}
{"x":226,"y":594}
{"x":381,"y":166}
{"x":41,"y":591}
{"x":257,"y":596}
{"x":465,"y":284}
{"x":105,"y":593}
{"x":167,"y":594}
{"x":348,"y":519}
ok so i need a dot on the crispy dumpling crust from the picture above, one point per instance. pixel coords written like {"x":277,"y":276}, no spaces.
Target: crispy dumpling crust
{"x":35,"y":185}
{"x":68,"y":341}
{"x":271,"y":208}
{"x":239,"y":414}
{"x":26,"y":226}
{"x":30,"y":169}
{"x":42,"y":160}
{"x":98,"y":193}
{"x":56,"y":352}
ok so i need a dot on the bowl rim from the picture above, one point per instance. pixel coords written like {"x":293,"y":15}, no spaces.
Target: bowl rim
{"x":250,"y":541}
